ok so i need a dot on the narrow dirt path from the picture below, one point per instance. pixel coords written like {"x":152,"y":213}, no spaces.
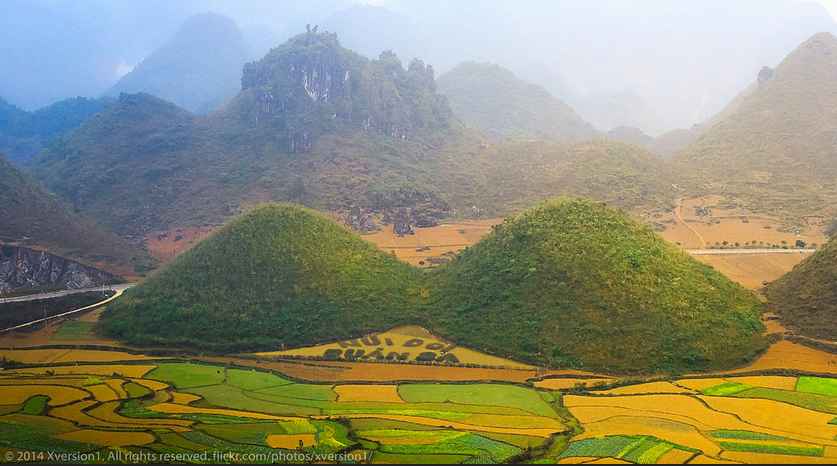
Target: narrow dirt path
{"x":677,"y":202}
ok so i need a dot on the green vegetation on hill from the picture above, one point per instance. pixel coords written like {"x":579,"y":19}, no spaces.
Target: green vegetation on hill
{"x":314,"y":124}
{"x":573,"y":282}
{"x":500,"y":105}
{"x":568,"y":283}
{"x":25,"y":134}
{"x":277,"y":275}
{"x":505,"y":179}
{"x":776,"y":149}
{"x":805,"y":299}
{"x":34,"y":217}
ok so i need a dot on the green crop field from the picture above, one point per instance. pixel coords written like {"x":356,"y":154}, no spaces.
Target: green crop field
{"x":815,"y":401}
{"x":820,"y":385}
{"x":183,"y":375}
{"x":478,"y":394}
{"x":725,"y":389}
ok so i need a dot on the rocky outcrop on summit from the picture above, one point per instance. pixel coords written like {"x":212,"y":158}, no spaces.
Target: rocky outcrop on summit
{"x":24,"y":267}
{"x":312,"y":86}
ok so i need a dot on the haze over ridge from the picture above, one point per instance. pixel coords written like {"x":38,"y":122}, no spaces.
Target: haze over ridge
{"x":576,"y":50}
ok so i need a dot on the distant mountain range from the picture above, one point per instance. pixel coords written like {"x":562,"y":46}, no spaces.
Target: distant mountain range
{"x":199,"y":69}
{"x":23,"y":135}
{"x":492,"y":100}
{"x":777,"y":149}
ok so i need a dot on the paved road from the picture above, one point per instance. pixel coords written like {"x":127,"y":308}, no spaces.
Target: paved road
{"x":57,"y":294}
{"x":750,"y":251}
{"x":56,"y":316}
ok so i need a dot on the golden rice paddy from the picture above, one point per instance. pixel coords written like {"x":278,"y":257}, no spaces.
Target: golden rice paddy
{"x":675,"y":456}
{"x":125,"y":370}
{"x":787,"y":355}
{"x":780,"y":418}
{"x":290,"y":441}
{"x":100,"y":356}
{"x":107,"y":438}
{"x":681,"y":408}
{"x":771,"y":381}
{"x":666,"y":429}
{"x":171,"y":408}
{"x":767,"y":458}
{"x":426,"y":421}
{"x":646,"y":388}
{"x":521,"y":422}
{"x":567,"y":383}
{"x":102,"y":392}
{"x":17,"y":379}
{"x":399,"y":340}
{"x":116,"y":386}
{"x":153,"y":385}
{"x":701,"y":384}
{"x":58,"y":395}
{"x":373,"y":393}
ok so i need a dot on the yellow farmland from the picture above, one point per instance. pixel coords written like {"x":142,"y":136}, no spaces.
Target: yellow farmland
{"x":403,"y":342}
{"x":372,"y":393}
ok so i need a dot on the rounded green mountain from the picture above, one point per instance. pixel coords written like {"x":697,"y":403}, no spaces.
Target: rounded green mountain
{"x":805,"y":299}
{"x":576,"y":283}
{"x":569,"y":283}
{"x":277,"y":275}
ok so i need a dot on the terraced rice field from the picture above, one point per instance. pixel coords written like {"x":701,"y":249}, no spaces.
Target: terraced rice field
{"x":202,"y":406}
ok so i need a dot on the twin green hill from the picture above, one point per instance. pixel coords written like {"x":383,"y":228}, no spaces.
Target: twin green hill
{"x":805,"y":299}
{"x":568,"y":283}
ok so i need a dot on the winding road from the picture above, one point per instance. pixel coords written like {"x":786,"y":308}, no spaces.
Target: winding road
{"x":119,"y":289}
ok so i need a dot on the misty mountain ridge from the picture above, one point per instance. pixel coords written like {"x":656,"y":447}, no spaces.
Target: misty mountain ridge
{"x":776,"y":149}
{"x":145,"y":163}
{"x":23,"y":135}
{"x":494,"y":101}
{"x":199,"y":69}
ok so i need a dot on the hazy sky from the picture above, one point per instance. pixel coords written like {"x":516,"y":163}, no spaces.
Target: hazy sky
{"x":684,"y":59}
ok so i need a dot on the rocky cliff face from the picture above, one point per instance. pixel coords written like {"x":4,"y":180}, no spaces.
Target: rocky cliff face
{"x":24,"y":267}
{"x":311,"y":85}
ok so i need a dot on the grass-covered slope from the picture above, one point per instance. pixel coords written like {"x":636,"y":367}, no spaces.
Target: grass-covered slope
{"x":776,"y":150}
{"x":502,"y":106}
{"x":33,"y":217}
{"x":25,"y":134}
{"x":805,"y":299}
{"x":277,"y":275}
{"x":505,"y":179}
{"x":573,"y":282}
